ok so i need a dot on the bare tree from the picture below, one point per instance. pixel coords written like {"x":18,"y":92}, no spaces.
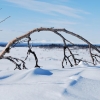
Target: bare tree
{"x":27,"y":38}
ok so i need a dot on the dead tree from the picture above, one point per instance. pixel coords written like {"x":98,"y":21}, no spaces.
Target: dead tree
{"x":27,"y":38}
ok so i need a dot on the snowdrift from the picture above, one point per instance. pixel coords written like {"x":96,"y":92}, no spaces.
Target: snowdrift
{"x":49,"y":82}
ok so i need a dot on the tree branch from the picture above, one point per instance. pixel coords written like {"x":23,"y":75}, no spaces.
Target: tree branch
{"x":5,"y":19}
{"x":56,"y":31}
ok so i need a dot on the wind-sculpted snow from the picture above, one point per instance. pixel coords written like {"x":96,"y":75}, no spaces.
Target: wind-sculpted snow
{"x":39,"y":71}
{"x":82,"y":89}
{"x":50,"y":82}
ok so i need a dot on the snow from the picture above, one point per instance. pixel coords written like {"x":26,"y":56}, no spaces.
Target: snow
{"x":50,"y":82}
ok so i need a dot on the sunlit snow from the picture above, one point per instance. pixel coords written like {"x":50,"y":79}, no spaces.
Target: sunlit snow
{"x":50,"y":82}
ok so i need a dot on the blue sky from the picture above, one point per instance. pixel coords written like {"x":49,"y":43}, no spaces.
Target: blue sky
{"x":79,"y":16}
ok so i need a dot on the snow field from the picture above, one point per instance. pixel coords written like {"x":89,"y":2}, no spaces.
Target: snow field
{"x":50,"y":82}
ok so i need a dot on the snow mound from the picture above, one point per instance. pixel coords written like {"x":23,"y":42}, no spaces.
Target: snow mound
{"x":84,"y":64}
{"x":82,"y":89}
{"x":50,"y":82}
{"x":91,"y":73}
{"x":23,"y":75}
{"x":4,"y":77}
{"x":75,"y":79}
{"x":40,"y":71}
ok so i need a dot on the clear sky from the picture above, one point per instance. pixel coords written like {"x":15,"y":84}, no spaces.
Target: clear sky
{"x":79,"y":16}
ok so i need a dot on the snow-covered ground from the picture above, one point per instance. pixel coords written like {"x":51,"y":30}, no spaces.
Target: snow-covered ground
{"x":50,"y":82}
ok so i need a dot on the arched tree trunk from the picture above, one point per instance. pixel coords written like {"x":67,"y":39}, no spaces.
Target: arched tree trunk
{"x":56,"y":31}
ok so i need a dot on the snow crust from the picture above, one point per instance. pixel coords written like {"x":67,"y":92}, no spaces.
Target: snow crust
{"x":50,"y":82}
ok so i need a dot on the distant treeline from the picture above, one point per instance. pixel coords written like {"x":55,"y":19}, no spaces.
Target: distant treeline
{"x":48,"y":45}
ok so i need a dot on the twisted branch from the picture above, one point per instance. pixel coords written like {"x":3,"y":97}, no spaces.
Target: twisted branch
{"x":15,"y":61}
{"x":66,"y":58}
